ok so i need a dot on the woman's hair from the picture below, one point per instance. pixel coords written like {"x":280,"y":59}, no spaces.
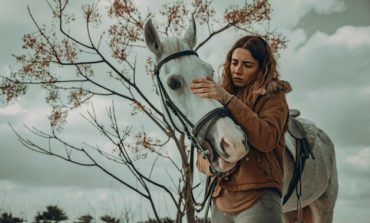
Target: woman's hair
{"x":267,"y":71}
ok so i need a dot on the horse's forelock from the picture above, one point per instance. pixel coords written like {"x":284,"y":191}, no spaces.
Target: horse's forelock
{"x":173,"y":44}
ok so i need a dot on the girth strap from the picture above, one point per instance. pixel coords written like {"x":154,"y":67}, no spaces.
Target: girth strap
{"x":301,"y":157}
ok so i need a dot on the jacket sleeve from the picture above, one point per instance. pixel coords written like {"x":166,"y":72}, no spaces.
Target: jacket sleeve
{"x":203,"y":165}
{"x":264,"y":129}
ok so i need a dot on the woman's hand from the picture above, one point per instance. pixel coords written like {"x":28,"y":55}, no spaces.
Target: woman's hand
{"x":207,"y":88}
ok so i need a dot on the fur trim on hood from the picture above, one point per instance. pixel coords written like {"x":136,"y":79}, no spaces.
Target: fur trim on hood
{"x":274,"y":87}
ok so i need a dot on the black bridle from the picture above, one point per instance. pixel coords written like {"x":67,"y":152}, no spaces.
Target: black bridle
{"x":191,"y":130}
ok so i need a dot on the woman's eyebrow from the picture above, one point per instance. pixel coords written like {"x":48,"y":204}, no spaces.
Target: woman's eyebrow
{"x":243,"y":61}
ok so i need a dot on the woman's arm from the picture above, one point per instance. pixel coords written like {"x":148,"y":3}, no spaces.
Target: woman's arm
{"x":264,"y":129}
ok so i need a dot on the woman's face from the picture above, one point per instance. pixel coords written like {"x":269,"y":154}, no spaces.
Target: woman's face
{"x":243,"y":67}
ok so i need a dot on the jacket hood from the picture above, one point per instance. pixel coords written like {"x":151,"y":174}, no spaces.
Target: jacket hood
{"x":275,"y":86}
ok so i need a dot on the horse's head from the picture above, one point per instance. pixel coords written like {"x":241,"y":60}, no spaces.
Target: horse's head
{"x":175,"y":73}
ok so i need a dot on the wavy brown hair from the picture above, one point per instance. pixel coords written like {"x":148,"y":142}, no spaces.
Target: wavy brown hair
{"x":262,"y":52}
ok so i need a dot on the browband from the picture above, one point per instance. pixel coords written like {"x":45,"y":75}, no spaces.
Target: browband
{"x":173,"y":56}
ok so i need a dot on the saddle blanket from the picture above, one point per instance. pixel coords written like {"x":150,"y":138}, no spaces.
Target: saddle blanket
{"x":312,"y":133}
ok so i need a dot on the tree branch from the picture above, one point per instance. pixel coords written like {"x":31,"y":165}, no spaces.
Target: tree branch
{"x":62,"y":30}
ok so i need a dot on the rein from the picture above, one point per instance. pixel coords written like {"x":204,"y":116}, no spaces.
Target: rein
{"x":192,"y":131}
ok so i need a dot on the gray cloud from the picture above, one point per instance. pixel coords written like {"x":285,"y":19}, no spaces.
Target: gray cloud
{"x":330,"y":78}
{"x":325,"y":62}
{"x":281,"y":17}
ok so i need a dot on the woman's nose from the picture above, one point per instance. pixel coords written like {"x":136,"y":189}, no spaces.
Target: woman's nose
{"x":238,"y":69}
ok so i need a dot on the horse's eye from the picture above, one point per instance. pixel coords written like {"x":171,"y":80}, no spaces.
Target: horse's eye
{"x":174,"y":83}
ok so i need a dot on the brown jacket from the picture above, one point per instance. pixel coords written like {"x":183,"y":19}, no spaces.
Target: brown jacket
{"x":264,"y":125}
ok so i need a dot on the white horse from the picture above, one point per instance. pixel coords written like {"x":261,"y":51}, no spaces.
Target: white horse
{"x":319,"y":179}
{"x":173,"y":81}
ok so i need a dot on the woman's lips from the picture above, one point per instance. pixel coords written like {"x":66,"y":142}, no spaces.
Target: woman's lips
{"x":237,"y":79}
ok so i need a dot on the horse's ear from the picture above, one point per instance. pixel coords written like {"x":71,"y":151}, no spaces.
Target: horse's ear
{"x":152,"y":38}
{"x":190,"y":35}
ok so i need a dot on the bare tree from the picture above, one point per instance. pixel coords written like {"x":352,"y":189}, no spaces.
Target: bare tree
{"x":108,"y":55}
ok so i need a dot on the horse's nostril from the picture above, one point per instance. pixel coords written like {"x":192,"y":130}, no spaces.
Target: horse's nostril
{"x":224,"y":144}
{"x":221,"y":151}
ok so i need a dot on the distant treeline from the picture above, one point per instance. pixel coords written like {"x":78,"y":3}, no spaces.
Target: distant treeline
{"x":55,"y":214}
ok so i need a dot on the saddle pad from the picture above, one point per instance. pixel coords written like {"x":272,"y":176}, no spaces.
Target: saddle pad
{"x":311,"y":134}
{"x":312,"y":131}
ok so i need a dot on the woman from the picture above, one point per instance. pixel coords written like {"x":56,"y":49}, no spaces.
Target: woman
{"x":254,"y":95}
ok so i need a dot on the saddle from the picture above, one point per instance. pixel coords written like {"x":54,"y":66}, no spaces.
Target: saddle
{"x":298,"y":132}
{"x":303,"y":149}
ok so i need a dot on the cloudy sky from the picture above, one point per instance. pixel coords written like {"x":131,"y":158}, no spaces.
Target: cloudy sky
{"x":327,"y":61}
